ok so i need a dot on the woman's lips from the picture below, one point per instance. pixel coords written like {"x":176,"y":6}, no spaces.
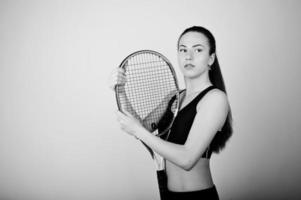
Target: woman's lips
{"x":188,"y":66}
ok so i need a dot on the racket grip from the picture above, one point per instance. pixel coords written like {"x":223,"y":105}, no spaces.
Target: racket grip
{"x":159,"y":161}
{"x":162,"y":183}
{"x":148,"y":148}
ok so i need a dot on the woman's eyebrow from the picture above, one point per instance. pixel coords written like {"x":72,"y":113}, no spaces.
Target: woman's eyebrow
{"x":197,"y":45}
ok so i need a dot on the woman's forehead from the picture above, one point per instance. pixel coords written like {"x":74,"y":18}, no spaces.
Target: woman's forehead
{"x":193,"y":38}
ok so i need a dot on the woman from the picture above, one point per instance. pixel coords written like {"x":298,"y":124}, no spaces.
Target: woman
{"x":202,"y":126}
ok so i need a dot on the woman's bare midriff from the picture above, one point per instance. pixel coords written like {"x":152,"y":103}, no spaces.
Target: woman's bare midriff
{"x":198,"y":178}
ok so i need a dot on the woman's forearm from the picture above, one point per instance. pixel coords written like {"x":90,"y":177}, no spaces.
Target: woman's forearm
{"x":174,"y":153}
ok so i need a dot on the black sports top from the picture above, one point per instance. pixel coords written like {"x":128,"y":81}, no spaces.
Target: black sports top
{"x":183,"y":122}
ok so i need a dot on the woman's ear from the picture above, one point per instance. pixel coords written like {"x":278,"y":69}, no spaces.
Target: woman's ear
{"x":211,"y":59}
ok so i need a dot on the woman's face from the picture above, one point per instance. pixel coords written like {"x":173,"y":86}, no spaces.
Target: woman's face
{"x":193,"y":54}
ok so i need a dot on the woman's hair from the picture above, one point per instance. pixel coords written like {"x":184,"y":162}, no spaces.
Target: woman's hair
{"x":216,"y":78}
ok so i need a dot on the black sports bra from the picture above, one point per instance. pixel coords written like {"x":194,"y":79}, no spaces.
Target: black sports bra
{"x":184,"y":120}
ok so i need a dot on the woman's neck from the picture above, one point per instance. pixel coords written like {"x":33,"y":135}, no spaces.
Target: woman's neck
{"x":197,"y":84}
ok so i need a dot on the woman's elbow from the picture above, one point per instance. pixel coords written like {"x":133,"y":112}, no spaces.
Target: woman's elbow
{"x":187,"y":164}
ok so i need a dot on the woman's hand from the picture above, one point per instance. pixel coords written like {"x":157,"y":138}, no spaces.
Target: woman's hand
{"x":129,"y":124}
{"x":117,"y":77}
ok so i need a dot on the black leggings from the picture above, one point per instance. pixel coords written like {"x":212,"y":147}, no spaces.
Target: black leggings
{"x":165,"y":194}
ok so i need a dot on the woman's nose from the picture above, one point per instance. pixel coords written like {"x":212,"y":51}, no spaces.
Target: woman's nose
{"x":189,"y":55}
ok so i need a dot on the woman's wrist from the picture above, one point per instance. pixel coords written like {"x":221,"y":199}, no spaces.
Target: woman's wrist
{"x":140,"y":133}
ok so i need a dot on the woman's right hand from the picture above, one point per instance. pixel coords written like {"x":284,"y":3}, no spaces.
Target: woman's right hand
{"x":117,"y":77}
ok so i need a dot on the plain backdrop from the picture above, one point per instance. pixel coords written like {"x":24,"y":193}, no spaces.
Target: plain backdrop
{"x":59,"y":139}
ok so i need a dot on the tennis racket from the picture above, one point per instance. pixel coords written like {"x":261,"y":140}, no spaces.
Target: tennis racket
{"x":151,"y":95}
{"x":151,"y":91}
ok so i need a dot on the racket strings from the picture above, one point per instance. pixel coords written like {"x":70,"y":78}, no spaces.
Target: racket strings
{"x":150,"y":85}
{"x":150,"y":82}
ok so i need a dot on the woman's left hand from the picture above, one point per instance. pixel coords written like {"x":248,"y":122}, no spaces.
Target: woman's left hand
{"x":129,"y":124}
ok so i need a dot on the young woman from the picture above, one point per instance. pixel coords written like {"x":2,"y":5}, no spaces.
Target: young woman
{"x":203,"y":123}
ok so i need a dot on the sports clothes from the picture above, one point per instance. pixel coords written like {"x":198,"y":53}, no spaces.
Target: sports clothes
{"x":183,"y":122}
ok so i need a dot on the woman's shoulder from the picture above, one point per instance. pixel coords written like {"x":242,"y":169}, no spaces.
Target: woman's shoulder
{"x":217,"y":93}
{"x":214,"y":97}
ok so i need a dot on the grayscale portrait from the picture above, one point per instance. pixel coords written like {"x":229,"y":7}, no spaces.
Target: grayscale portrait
{"x":150,"y":100}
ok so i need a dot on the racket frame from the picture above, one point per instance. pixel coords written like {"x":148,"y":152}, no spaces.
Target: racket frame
{"x":177,"y":93}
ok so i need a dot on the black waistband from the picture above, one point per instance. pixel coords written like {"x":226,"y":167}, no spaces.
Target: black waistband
{"x":209,"y":194}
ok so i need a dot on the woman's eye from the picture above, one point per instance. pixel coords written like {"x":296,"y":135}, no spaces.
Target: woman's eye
{"x":198,"y":50}
{"x":183,"y":50}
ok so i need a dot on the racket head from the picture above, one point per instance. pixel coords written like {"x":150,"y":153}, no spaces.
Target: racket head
{"x":151,"y":91}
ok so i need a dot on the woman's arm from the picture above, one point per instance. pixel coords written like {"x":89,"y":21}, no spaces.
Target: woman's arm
{"x":211,"y":115}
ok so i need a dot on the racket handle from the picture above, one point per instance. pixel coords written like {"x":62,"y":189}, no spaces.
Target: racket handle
{"x":159,"y":161}
{"x":149,"y":149}
{"x":162,"y":183}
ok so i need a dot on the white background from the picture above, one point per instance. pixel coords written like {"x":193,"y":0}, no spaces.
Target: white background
{"x":59,"y":139}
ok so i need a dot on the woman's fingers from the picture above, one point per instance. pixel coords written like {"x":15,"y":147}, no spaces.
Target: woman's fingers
{"x":124,"y":119}
{"x":125,"y":122}
{"x":117,"y":77}
{"x":120,"y":117}
{"x":121,"y":78}
{"x":128,"y":114}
